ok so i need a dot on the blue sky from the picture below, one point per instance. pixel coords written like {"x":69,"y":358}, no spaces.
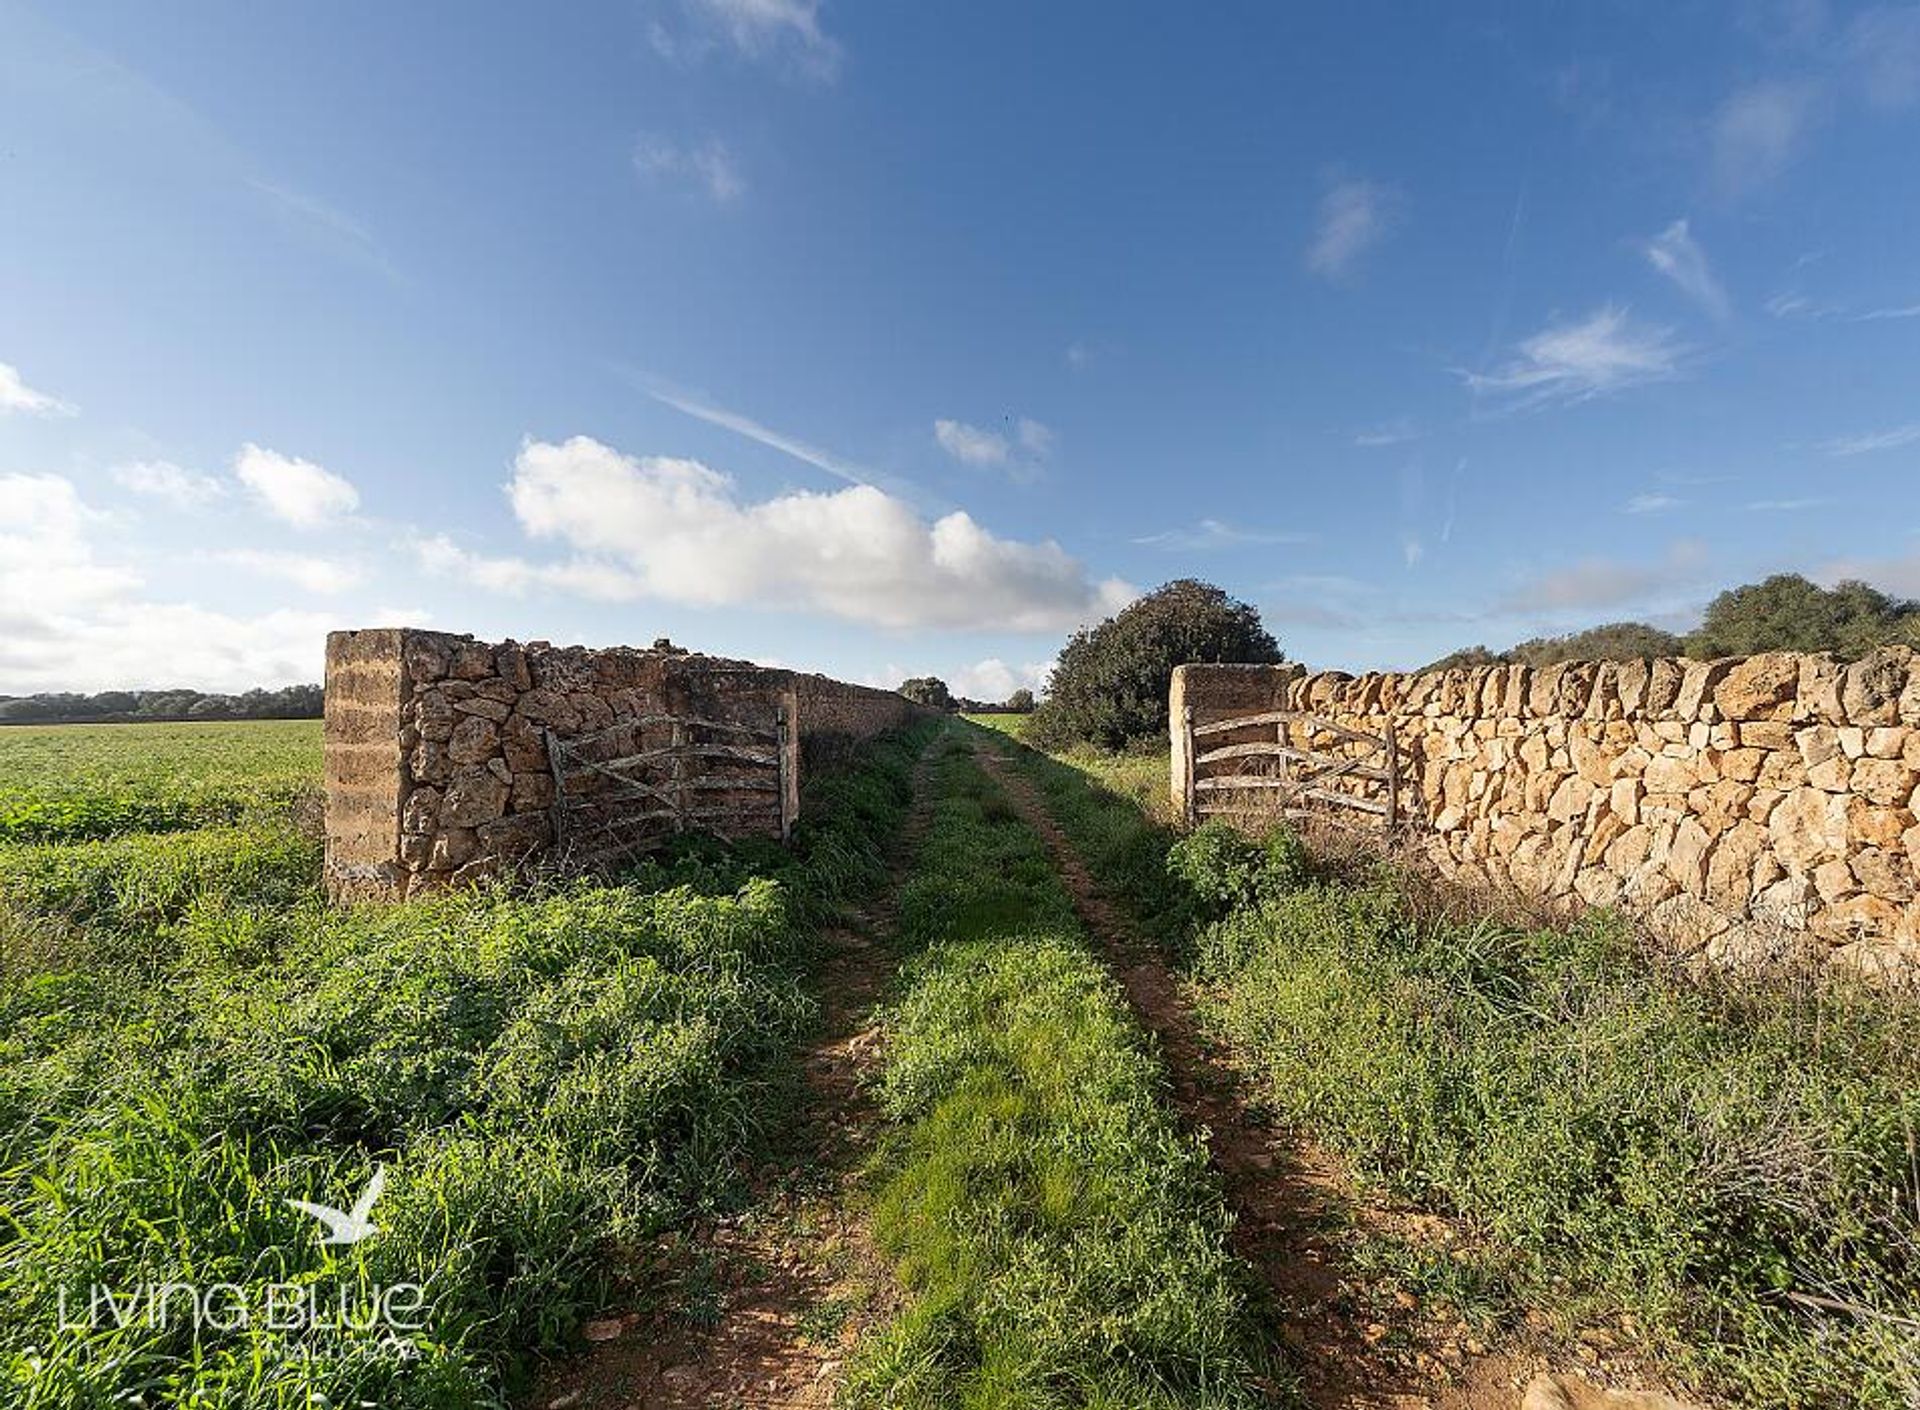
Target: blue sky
{"x":885,"y":339}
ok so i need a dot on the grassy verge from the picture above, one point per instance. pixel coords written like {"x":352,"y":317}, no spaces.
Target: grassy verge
{"x":549,"y":1080}
{"x":1720,"y":1170}
{"x":1060,"y":1242}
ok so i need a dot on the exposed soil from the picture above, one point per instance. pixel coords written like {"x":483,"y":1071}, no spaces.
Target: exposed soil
{"x":789,"y":1285}
{"x":1351,"y":1343}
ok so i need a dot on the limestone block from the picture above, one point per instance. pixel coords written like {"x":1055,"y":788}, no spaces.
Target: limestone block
{"x":1742,"y":765}
{"x":1871,"y":687}
{"x":1834,"y":775}
{"x":427,"y":658}
{"x":1687,"y":858}
{"x":1663,"y":684}
{"x":472,"y":661}
{"x":453,"y":849}
{"x":531,"y":791}
{"x":1697,"y":686}
{"x":1730,"y":873}
{"x":510,"y":660}
{"x":422,"y":813}
{"x":433,"y":715}
{"x":1624,"y":799}
{"x":1884,"y":874}
{"x":428,"y":763}
{"x":1570,"y":799}
{"x":1887,"y":741}
{"x":475,"y":739}
{"x":1666,"y":775}
{"x":1808,"y":828}
{"x":1871,"y":825}
{"x":1766,"y":734}
{"x":474,"y":795}
{"x":1818,"y":698}
{"x":1883,"y":781}
{"x":1783,"y":769}
{"x":1834,"y":881}
{"x":522,"y":745}
{"x":1759,"y":688}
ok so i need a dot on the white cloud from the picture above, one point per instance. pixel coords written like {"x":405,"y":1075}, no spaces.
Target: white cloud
{"x":305,"y":495}
{"x":1652,"y":504}
{"x":1871,"y":441}
{"x":707,"y":167}
{"x":590,"y":578}
{"x":1676,"y":254}
{"x":16,"y":395}
{"x":1899,"y":576}
{"x":1570,"y":362}
{"x":1354,"y":216}
{"x":316,"y":575}
{"x":1783,"y":506}
{"x":678,"y":531}
{"x":757,"y":29}
{"x":1079,"y":355}
{"x":1756,"y":133}
{"x":67,"y":621}
{"x":162,"y":479}
{"x":970,"y":445}
{"x":1876,"y":315}
{"x":47,"y":564}
{"x":993,"y":680}
{"x":1218,"y":533}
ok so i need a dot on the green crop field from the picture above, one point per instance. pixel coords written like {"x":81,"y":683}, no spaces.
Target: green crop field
{"x":546,"y":1080}
{"x":60,"y":782}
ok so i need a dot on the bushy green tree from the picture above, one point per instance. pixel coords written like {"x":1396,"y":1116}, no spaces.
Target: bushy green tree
{"x":1788,"y":613}
{"x":928,"y":690}
{"x":1021,"y":701}
{"x":1110,"y":685}
{"x":1615,"y":641}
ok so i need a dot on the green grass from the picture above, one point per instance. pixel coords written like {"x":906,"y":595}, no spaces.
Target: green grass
{"x":1059,"y":1240}
{"x":1693,"y":1157}
{"x":553,"y":1080}
{"x":65,"y":782}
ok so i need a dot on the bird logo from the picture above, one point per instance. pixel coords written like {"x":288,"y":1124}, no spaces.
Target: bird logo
{"x":352,"y":1226}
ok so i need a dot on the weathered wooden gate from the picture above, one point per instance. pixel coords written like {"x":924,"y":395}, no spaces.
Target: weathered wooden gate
{"x":1291,"y":771}
{"x":620,"y":791}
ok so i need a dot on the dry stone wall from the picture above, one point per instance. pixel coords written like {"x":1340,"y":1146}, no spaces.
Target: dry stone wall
{"x":438,"y":769}
{"x":1743,"y":806}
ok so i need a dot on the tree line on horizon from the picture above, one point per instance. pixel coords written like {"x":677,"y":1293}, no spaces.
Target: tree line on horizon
{"x":119,"y":707}
{"x":1785,"y":612}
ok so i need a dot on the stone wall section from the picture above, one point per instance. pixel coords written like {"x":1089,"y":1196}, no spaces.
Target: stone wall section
{"x":437,"y":765}
{"x":1743,"y":806}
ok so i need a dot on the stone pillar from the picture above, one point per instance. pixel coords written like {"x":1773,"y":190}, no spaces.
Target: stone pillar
{"x":366,"y":688}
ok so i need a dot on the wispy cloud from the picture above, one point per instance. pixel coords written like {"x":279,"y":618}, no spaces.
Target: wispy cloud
{"x":1218,"y":533}
{"x":1606,"y":582}
{"x":163,"y":480}
{"x":321,"y":576}
{"x":16,"y":395}
{"x":1387,"y":433}
{"x":1756,"y":133}
{"x":707,"y":167}
{"x":740,"y":425}
{"x":1883,"y":44}
{"x":1602,"y":353}
{"x":1354,"y":217}
{"x":1876,"y":315}
{"x":1676,"y":254}
{"x":786,"y":31}
{"x":1652,"y":504}
{"x":1871,"y":441}
{"x":1018,"y":451}
{"x":328,"y":226}
{"x":1783,"y":506}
